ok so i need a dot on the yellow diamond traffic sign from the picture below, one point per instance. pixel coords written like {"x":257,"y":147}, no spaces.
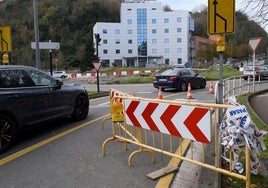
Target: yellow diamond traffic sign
{"x":221,"y":16}
{"x":5,"y":39}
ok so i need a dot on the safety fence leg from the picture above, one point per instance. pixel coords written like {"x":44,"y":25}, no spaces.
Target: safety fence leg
{"x":104,"y":119}
{"x":141,"y":150}
{"x":103,"y":148}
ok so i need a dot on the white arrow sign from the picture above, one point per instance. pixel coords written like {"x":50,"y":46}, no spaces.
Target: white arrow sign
{"x":46,"y":45}
{"x":254,"y":43}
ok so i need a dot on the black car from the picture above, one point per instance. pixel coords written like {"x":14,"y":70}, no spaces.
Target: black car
{"x":179,"y":78}
{"x":29,"y":97}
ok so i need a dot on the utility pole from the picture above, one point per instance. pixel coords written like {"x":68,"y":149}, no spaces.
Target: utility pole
{"x":98,"y":39}
{"x":36,"y":31}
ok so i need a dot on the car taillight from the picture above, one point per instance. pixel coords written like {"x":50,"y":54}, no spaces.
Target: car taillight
{"x":257,"y":70}
{"x":172,"y":78}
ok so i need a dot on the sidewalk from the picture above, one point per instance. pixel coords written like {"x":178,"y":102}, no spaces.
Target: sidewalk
{"x":194,"y":176}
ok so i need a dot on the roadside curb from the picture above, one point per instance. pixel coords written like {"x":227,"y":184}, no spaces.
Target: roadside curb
{"x":98,"y":95}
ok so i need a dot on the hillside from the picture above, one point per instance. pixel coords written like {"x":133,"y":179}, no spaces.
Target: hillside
{"x":70,"y":23}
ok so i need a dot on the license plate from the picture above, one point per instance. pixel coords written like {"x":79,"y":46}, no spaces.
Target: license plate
{"x":162,"y":80}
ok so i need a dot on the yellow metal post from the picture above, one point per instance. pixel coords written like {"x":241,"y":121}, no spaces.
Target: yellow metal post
{"x":248,"y":177}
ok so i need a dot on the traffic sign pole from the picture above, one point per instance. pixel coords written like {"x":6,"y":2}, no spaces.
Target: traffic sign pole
{"x":97,"y":66}
{"x":220,"y":87}
{"x":254,"y":44}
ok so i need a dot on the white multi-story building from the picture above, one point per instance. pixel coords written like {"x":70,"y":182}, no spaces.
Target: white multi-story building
{"x":147,"y":36}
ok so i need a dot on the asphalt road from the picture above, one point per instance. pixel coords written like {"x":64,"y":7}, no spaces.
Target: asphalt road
{"x":67,"y":154}
{"x":259,"y":103}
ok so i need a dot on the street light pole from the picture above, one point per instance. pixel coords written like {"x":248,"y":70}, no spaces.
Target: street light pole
{"x":36,"y":29}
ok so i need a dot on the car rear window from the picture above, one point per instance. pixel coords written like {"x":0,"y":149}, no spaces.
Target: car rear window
{"x":248,"y":68}
{"x":171,"y":72}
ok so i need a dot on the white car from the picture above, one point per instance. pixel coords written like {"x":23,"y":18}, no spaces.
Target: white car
{"x":59,"y":74}
{"x":260,"y":71}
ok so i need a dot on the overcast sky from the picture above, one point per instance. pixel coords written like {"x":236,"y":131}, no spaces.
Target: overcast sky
{"x":184,"y":4}
{"x":196,"y":5}
{"x":190,"y":5}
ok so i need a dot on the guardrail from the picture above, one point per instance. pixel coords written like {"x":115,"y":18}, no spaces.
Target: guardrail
{"x":237,"y":85}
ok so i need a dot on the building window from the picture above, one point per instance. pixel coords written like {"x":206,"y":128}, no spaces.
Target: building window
{"x":105,"y":51}
{"x":105,"y":41}
{"x":129,"y":41}
{"x":166,"y":40}
{"x":167,"y":61}
{"x":179,"y":19}
{"x":129,"y":31}
{"x":153,"y":31}
{"x":144,"y":31}
{"x":141,"y":33}
{"x":179,"y":30}
{"x":154,"y":50}
{"x":153,"y":21}
{"x":129,"y":9}
{"x":166,"y":20}
{"x":129,"y":21}
{"x":179,"y":40}
{"x":117,"y":31}
{"x":154,"y":41}
{"x":105,"y":63}
{"x":117,"y":51}
{"x":104,"y":31}
{"x":117,"y":41}
{"x":179,"y":50}
{"x":153,"y":8}
{"x":130,"y":51}
{"x":166,"y":30}
{"x":179,"y":61}
{"x":166,"y":50}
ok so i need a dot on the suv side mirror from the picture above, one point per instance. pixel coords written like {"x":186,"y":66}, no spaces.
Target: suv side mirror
{"x":59,"y":84}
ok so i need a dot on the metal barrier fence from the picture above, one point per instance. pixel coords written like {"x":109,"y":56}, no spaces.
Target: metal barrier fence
{"x":237,"y":85}
{"x":164,"y":129}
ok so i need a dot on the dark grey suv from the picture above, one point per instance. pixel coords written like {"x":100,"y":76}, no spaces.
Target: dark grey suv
{"x":29,"y":97}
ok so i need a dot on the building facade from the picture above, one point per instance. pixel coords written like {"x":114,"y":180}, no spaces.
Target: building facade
{"x":147,"y":36}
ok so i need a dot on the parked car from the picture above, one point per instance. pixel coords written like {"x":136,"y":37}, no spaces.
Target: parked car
{"x":178,"y":78}
{"x":260,"y":72}
{"x":29,"y":97}
{"x":59,"y":74}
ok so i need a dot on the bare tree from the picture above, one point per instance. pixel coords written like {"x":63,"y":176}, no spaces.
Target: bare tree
{"x":257,"y":10}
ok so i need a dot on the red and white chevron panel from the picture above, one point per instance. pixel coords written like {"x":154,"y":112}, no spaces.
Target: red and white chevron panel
{"x":183,"y":121}
{"x":116,"y":93}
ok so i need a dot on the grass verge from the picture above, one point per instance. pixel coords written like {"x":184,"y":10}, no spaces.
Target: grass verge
{"x":257,"y":181}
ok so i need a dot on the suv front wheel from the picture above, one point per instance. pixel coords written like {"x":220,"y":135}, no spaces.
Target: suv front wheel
{"x":7,"y":132}
{"x":80,"y":108}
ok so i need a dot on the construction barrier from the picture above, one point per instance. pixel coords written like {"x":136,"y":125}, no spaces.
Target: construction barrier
{"x":163,"y":125}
